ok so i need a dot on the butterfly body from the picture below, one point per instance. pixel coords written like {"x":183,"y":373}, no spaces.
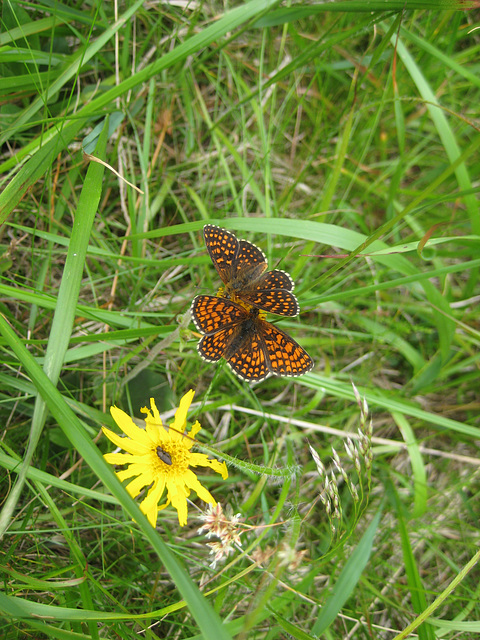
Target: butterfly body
{"x":241,"y":281}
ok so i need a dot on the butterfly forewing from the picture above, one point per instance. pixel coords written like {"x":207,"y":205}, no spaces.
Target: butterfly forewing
{"x":250,"y":254}
{"x":223,"y":248}
{"x":211,"y":313}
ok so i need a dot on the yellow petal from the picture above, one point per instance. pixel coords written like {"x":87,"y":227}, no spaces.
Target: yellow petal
{"x":149,"y":504}
{"x":141,"y":470}
{"x":128,"y":458}
{"x":118,"y":458}
{"x":136,"y":485}
{"x":128,"y":426}
{"x":152,"y":413}
{"x":177,"y":495}
{"x":202,"y":460}
{"x":127,"y":444}
{"x":180,"y":420}
{"x":195,"y":429}
{"x":153,"y":424}
{"x":194,"y":483}
{"x":154,"y":494}
{"x":219,"y":467}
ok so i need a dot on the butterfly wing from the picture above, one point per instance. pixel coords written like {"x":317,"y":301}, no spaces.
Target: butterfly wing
{"x":210,"y":313}
{"x":223,"y":248}
{"x":285,"y":357}
{"x":220,"y":320}
{"x":249,"y":254}
{"x":245,"y":353}
{"x":276,"y":279}
{"x":212,"y":346}
{"x":272,"y":292}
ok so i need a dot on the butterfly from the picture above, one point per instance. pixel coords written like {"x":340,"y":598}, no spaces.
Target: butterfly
{"x":252,"y":347}
{"x":242,"y":266}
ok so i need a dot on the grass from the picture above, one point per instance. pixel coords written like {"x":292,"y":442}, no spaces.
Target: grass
{"x":342,"y":139}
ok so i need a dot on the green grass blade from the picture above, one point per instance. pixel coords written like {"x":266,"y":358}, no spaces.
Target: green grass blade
{"x":416,"y":590}
{"x":299,"y":12}
{"x":418,"y":467}
{"x":444,"y":131}
{"x":34,"y":168}
{"x":348,"y":578}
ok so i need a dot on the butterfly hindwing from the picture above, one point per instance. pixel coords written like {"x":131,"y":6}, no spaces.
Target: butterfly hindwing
{"x":211,"y":313}
{"x":212,"y":347}
{"x":276,"y":279}
{"x":245,"y":354}
{"x":285,"y":356}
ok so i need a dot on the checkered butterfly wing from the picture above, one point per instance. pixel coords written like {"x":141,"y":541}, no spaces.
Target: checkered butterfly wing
{"x":245,"y":354}
{"x":237,"y":262}
{"x":223,"y":248}
{"x":285,"y":357}
{"x":253,"y":347}
{"x":272,"y":292}
{"x":250,"y":255}
{"x":218,"y":319}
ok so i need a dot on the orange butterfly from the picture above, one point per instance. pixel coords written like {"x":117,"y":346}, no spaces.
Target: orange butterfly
{"x":242,"y":266}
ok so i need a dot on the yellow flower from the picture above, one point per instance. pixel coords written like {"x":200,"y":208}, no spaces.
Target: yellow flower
{"x":161,"y":457}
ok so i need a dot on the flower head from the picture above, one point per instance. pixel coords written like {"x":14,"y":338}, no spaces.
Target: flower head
{"x":223,"y":525}
{"x":161,"y":457}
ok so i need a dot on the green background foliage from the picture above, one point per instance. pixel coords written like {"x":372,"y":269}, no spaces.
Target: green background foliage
{"x":342,"y":138}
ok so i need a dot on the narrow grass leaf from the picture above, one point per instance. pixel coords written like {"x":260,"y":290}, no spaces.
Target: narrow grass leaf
{"x":348,"y":578}
{"x":28,"y":29}
{"x":444,"y":131}
{"x":293,"y":630}
{"x":418,"y":467}
{"x":290,"y":14}
{"x":416,"y":590}
{"x":455,"y":627}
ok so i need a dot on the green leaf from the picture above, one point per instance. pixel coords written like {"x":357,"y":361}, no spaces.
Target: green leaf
{"x":348,"y":578}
